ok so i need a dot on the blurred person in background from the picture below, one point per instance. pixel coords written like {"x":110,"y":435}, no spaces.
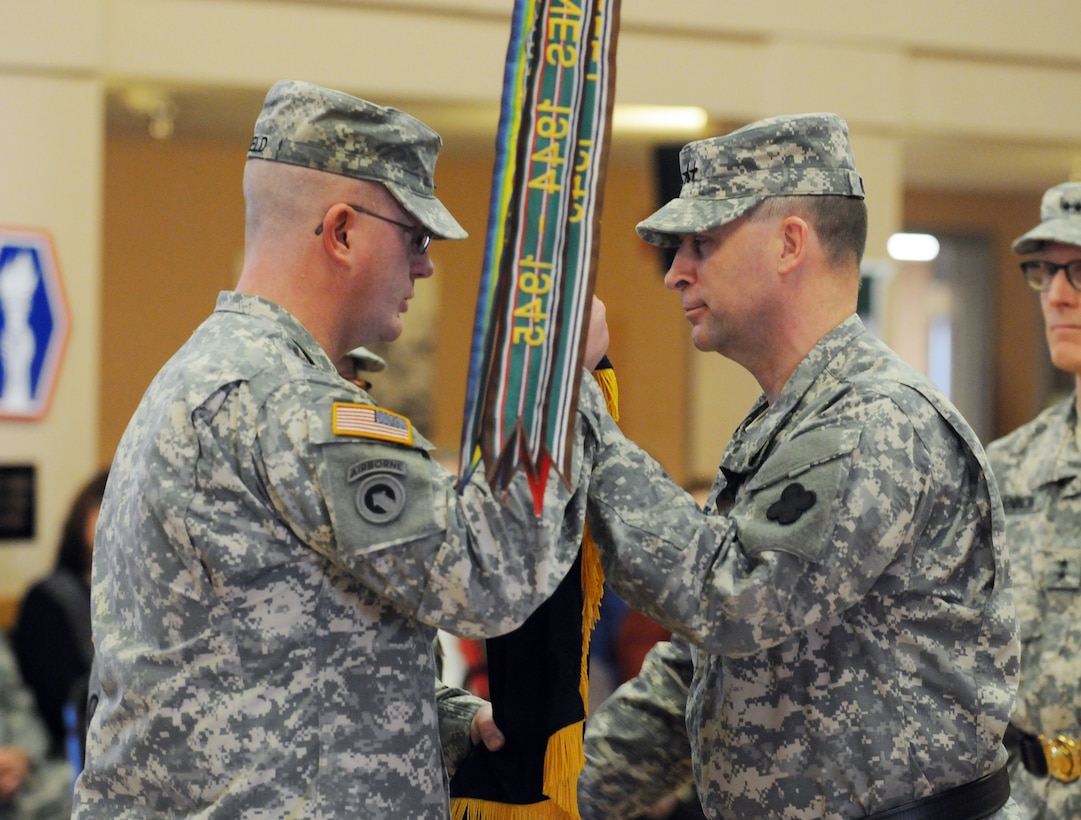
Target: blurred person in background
{"x":51,"y":637}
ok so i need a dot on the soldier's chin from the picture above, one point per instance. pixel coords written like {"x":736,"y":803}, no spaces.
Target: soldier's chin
{"x":392,"y":331}
{"x":702,"y":342}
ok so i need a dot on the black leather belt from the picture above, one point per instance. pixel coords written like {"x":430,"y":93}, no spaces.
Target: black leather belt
{"x":972,"y":801}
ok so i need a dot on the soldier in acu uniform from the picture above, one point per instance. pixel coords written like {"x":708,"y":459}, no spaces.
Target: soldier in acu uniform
{"x":275,"y":552}
{"x":844,"y":634}
{"x":1038,"y":467}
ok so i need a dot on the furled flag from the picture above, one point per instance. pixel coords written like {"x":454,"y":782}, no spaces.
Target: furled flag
{"x":538,"y":684}
{"x":542,"y":242}
{"x":528,"y":344}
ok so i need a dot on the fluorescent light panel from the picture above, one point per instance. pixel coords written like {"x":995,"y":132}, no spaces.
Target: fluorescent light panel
{"x":658,"y":118}
{"x":912,"y":247}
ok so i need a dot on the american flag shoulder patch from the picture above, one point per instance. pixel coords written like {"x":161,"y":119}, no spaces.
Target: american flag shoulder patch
{"x":368,"y":421}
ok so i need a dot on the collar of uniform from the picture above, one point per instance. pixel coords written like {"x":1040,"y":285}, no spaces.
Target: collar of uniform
{"x":1064,"y":466}
{"x":750,"y":442}
{"x":230,"y":301}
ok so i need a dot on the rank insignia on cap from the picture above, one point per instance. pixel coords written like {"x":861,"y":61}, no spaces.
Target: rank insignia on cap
{"x":366,"y":421}
{"x":1018,"y":503}
{"x":795,"y":500}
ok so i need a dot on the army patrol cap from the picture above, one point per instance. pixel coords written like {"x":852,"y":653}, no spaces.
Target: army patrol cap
{"x":1060,"y":219}
{"x":304,"y":124}
{"x":724,"y":177}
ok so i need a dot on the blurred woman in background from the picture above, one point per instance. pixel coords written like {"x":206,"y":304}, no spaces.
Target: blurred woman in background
{"x":51,"y":637}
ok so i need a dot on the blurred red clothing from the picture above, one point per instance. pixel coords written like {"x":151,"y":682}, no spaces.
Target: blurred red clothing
{"x":635,"y":637}
{"x":475,"y":679}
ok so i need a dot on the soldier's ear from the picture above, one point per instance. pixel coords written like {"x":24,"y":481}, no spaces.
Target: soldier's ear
{"x":794,"y":235}
{"x":333,"y":231}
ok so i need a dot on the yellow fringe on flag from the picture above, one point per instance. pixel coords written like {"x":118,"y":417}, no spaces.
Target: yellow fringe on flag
{"x":606,"y":378}
{"x":592,"y":571}
{"x":564,"y":757}
{"x":592,"y":590}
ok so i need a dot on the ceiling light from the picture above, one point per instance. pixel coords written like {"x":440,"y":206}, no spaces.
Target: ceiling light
{"x":912,"y":247}
{"x":156,"y":106}
{"x":658,"y":118}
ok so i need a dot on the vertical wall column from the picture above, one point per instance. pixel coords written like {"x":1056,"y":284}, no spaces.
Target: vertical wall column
{"x":51,"y":147}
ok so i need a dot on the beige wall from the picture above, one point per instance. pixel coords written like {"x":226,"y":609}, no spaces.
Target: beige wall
{"x":50,"y":181}
{"x":955,"y":109}
{"x":174,"y":238}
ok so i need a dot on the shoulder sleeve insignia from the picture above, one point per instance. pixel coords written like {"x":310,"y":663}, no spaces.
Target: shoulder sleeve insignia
{"x":368,"y":421}
{"x":795,"y":500}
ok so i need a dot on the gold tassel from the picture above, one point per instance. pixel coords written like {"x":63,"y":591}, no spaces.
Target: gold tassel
{"x":592,"y":571}
{"x":592,"y":590}
{"x":564,"y":758}
{"x":606,"y":378}
{"x":563,"y":761}
{"x":473,"y":809}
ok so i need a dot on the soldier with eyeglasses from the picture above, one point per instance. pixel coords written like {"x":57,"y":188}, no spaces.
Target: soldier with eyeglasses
{"x":275,"y":551}
{"x":1038,"y":468}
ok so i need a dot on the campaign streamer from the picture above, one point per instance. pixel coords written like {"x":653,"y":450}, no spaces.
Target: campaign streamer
{"x":524,"y":374}
{"x":542,"y":241}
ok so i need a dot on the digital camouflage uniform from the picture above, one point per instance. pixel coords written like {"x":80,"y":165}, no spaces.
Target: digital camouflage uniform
{"x":275,"y":553}
{"x":852,"y":643}
{"x":266,"y":591}
{"x":1038,"y":468}
{"x":45,"y":794}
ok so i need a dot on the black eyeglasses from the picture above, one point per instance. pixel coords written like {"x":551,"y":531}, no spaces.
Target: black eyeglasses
{"x":1039,"y":273}
{"x":419,"y":237}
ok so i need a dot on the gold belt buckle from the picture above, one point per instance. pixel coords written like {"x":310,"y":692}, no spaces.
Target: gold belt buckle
{"x":1063,"y":758}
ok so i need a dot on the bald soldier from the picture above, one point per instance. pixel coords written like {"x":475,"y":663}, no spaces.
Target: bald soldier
{"x":844,"y":635}
{"x":275,"y":552}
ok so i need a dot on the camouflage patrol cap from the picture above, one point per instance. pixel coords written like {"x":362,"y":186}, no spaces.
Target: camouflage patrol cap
{"x":724,"y":177}
{"x":304,"y":124}
{"x":1060,"y":219}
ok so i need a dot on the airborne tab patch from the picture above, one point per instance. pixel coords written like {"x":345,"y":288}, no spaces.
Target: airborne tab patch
{"x":368,"y":421}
